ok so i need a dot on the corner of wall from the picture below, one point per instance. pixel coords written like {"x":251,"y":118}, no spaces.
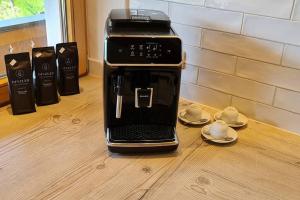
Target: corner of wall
{"x":95,"y":67}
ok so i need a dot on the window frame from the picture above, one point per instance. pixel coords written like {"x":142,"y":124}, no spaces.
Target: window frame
{"x":4,"y":97}
{"x":16,"y":23}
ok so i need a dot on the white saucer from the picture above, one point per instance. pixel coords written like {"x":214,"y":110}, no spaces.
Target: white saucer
{"x":205,"y":118}
{"x":232,"y":135}
{"x":242,"y":120}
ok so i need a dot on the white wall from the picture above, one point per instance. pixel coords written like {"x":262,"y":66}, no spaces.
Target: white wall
{"x":97,"y":11}
{"x":244,"y":53}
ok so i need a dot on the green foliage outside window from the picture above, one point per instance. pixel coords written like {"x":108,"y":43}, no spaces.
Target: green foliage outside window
{"x":10,"y":9}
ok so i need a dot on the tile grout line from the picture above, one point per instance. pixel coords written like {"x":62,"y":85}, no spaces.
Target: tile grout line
{"x":203,"y":67}
{"x":226,"y":93}
{"x":295,"y":113}
{"x":197,"y":76}
{"x":282,"y":54}
{"x":293,"y":10}
{"x":242,"y":25}
{"x":227,"y":10}
{"x":228,"y":54}
{"x":235,"y":65}
{"x":274,"y":96}
{"x":241,"y":77}
{"x":202,"y":38}
{"x":253,"y":59}
{"x":238,"y":34}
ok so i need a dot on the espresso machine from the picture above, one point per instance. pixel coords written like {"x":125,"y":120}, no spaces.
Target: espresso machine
{"x":142,"y":72}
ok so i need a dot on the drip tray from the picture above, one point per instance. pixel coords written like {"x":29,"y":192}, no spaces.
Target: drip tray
{"x":142,"y":134}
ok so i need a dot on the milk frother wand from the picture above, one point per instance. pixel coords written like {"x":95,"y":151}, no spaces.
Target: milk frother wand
{"x":120,"y":81}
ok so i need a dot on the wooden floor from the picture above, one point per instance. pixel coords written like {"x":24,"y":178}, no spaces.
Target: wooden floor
{"x":60,"y":153}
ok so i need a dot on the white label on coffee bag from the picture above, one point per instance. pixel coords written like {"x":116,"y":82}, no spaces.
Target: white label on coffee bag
{"x":62,"y":50}
{"x":38,"y":54}
{"x":13,"y":62}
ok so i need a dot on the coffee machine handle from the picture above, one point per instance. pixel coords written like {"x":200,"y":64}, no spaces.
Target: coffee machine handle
{"x":119,"y":97}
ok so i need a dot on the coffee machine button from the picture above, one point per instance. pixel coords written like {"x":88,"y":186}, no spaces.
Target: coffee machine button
{"x":132,"y":53}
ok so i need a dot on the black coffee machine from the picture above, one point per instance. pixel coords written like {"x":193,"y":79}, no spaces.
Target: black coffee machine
{"x":142,"y":72}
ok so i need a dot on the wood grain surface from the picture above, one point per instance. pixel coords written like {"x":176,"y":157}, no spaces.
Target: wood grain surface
{"x":59,"y":152}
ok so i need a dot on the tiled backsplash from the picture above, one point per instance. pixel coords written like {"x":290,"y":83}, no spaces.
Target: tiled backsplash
{"x":242,"y":53}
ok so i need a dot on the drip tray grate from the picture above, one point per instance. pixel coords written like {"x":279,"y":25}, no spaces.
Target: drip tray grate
{"x":142,"y":133}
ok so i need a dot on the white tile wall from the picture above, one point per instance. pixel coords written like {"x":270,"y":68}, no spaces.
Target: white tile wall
{"x":206,"y":17}
{"x":242,"y":46}
{"x":236,"y":86}
{"x":152,"y":4}
{"x":205,"y":95}
{"x":288,"y":100}
{"x":189,"y":35}
{"x":268,"y":73}
{"x":190,"y":2}
{"x":210,"y":59}
{"x":291,"y":56}
{"x":273,"y":8}
{"x":190,"y":74}
{"x":246,"y":53}
{"x":280,"y":30}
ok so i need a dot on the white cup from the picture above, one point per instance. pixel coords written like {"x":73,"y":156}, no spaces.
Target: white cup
{"x":218,"y":129}
{"x":193,"y":113}
{"x":230,"y":115}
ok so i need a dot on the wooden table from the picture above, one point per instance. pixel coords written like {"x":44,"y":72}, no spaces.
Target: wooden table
{"x":60,"y":153}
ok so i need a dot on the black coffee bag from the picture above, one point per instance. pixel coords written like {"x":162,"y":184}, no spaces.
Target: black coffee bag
{"x":67,"y":55}
{"x":18,"y":69}
{"x":45,"y":70}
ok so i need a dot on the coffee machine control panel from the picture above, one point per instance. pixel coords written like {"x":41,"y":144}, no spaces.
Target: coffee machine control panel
{"x":135,"y":50}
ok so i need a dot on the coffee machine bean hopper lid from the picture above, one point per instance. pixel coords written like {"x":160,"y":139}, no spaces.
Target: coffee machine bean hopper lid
{"x":139,"y":18}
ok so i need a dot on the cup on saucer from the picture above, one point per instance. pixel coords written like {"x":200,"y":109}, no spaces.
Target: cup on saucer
{"x":218,"y":130}
{"x":230,"y":115}
{"x":193,"y":113}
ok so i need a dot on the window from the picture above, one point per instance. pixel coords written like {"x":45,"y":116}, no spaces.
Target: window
{"x":22,"y":22}
{"x":12,"y":9}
